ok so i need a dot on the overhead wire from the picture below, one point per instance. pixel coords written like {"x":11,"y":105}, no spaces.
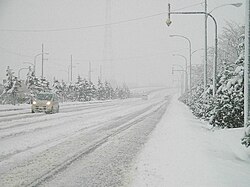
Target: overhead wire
{"x":96,"y":25}
{"x":91,"y":26}
{"x":15,"y":53}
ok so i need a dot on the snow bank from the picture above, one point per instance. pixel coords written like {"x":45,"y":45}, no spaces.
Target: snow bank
{"x":183,"y":151}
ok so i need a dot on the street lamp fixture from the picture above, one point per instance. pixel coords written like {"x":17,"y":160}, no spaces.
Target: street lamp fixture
{"x":237,"y":4}
{"x":231,"y":4}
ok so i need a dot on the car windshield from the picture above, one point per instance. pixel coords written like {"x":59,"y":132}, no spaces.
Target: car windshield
{"x":44,"y":96}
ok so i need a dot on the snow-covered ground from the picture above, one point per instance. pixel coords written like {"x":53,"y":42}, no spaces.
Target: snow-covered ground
{"x":184,"y":151}
{"x":79,"y":146}
{"x":131,"y":142}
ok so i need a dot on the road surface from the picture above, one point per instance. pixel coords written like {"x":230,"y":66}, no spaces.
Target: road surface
{"x":86,"y":144}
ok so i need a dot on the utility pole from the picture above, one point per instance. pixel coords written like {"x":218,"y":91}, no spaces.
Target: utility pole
{"x":108,"y":66}
{"x":246,"y":139}
{"x":100,"y":73}
{"x":205,"y":63}
{"x":190,"y":68}
{"x":90,"y":71}
{"x":42,"y":61}
{"x":71,"y":68}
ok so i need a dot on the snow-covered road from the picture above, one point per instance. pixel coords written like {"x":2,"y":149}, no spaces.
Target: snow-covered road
{"x":86,"y":144}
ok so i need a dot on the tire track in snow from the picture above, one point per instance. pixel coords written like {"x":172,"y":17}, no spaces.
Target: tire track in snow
{"x":51,"y":173}
{"x":116,"y":127}
{"x":48,"y":116}
{"x":102,"y":124}
{"x":21,"y":116}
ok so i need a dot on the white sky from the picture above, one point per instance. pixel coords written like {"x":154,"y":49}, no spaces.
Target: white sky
{"x":141,"y":49}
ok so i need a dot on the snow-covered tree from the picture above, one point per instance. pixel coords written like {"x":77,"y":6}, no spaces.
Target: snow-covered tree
{"x":32,"y":82}
{"x":44,"y":85}
{"x":91,"y":91}
{"x":226,"y":108}
{"x":100,"y":91}
{"x":58,"y":89}
{"x":11,"y":86}
{"x":108,"y":90}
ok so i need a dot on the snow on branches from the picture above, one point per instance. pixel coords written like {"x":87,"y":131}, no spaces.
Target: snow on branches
{"x":225,"y":110}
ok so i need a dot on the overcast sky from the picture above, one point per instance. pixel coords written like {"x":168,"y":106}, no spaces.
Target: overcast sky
{"x":141,"y":50}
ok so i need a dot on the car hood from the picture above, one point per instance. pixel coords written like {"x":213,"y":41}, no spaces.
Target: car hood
{"x":41,"y":102}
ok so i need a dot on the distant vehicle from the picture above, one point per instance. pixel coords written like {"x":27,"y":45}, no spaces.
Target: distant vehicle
{"x":145,"y":96}
{"x":45,"y":102}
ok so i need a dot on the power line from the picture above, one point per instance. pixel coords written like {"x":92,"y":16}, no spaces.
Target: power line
{"x":15,"y":53}
{"x":94,"y":60}
{"x":123,"y":58}
{"x":96,"y":25}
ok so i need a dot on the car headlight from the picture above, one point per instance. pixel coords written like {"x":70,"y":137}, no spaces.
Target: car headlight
{"x":34,"y":102}
{"x":48,"y":103}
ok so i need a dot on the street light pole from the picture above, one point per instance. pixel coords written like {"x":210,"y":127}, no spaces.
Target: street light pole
{"x":42,"y":61}
{"x":30,"y":64}
{"x":21,"y":70}
{"x":186,"y":75}
{"x":216,"y":43}
{"x":190,"y":59}
{"x":215,"y":57}
{"x":71,"y":68}
{"x":197,"y":50}
{"x":182,"y":77}
{"x":216,"y":37}
{"x":205,"y":63}
{"x":246,"y":139}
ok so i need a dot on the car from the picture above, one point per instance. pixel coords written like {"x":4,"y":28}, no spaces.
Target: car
{"x":45,"y":102}
{"x":145,"y":96}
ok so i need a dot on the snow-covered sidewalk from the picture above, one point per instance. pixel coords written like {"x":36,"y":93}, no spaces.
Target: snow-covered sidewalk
{"x":184,"y":151}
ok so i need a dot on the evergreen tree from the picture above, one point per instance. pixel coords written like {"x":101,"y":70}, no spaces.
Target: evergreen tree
{"x":100,"y":91}
{"x":44,"y":85}
{"x":226,"y":108}
{"x":108,"y":90}
{"x":79,"y":89}
{"x":90,"y":91}
{"x":11,"y":86}
{"x":64,"y":91}
{"x":32,"y":82}
{"x":58,"y":89}
{"x":71,"y":92}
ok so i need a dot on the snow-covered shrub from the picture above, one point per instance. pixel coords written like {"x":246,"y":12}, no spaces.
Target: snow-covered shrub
{"x":226,"y":108}
{"x":229,"y":101}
